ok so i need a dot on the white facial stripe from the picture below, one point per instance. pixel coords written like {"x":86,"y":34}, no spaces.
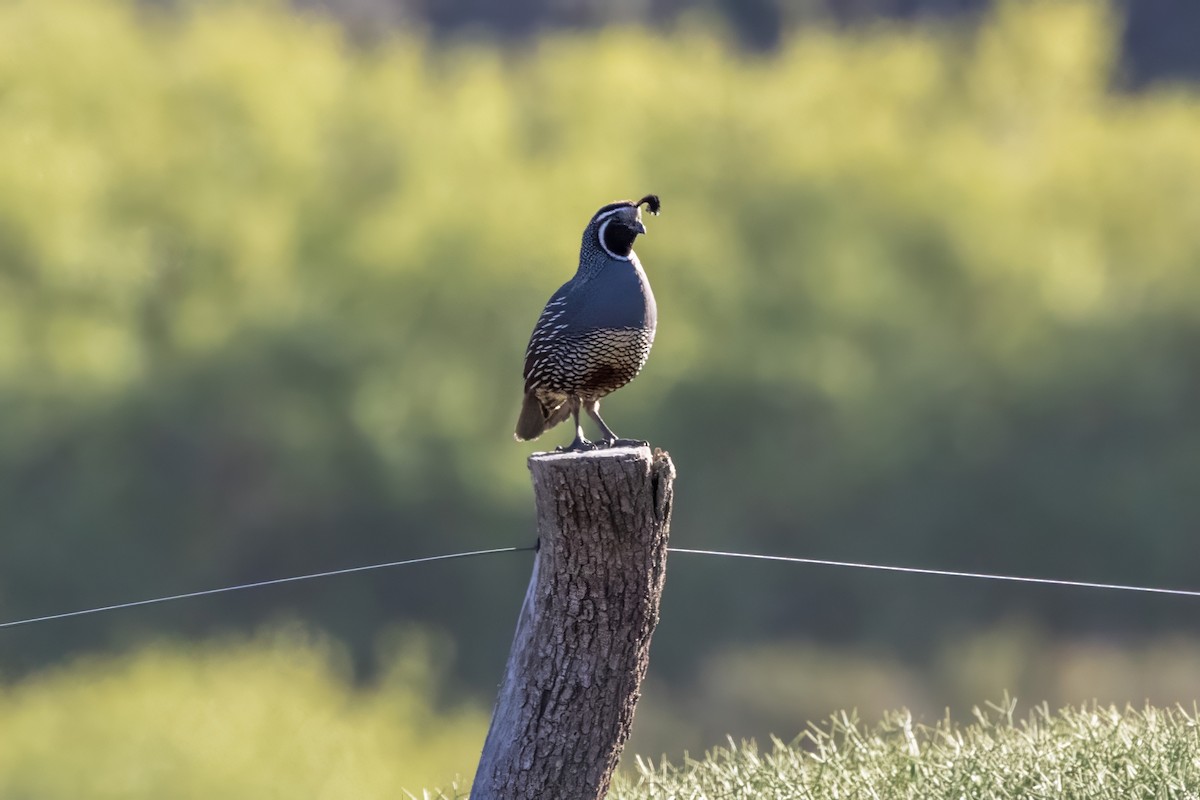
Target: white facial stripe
{"x":603,"y":246}
{"x":608,"y":214}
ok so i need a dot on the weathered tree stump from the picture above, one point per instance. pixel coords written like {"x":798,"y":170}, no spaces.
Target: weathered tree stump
{"x":582,"y":644}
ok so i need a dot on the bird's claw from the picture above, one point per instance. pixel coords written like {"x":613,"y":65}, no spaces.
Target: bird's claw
{"x":625,"y":443}
{"x":578,"y":446}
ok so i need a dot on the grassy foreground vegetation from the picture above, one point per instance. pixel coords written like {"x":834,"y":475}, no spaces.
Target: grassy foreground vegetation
{"x":1093,"y":752}
{"x":281,"y":716}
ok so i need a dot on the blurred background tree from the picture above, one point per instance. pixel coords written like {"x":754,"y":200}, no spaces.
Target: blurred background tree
{"x":1157,"y":38}
{"x":927,"y":292}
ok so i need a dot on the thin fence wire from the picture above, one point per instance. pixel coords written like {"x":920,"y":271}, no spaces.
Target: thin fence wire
{"x":258,"y":584}
{"x":945,"y":573}
{"x":820,"y":562}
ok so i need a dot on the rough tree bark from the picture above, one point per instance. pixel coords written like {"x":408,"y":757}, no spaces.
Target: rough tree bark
{"x":583,"y":637}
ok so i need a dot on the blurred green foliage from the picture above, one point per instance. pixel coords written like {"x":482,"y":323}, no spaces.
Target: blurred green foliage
{"x":271,"y":717}
{"x":927,"y":295}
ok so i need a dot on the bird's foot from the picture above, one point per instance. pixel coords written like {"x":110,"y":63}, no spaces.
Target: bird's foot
{"x":580,"y":445}
{"x":619,"y":442}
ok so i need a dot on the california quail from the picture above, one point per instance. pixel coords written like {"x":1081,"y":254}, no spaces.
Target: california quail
{"x":595,"y":332}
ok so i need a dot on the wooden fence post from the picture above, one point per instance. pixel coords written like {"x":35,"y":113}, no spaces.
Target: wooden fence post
{"x":582,"y":643}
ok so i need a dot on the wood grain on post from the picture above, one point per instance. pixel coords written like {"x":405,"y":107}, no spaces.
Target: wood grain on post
{"x":583,"y":638}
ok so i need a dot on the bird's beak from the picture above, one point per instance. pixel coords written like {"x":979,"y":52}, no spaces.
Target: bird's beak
{"x":640,"y":228}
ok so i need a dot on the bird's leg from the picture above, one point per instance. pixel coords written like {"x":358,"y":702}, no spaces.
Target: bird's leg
{"x":610,"y":438}
{"x":593,"y":410}
{"x":580,"y":444}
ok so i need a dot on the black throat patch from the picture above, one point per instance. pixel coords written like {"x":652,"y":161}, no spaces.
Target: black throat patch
{"x":618,"y":238}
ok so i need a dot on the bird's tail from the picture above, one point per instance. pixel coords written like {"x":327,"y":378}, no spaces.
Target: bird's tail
{"x":536,"y":417}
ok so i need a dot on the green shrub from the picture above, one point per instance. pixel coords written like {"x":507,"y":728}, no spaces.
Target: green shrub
{"x":275,"y":717}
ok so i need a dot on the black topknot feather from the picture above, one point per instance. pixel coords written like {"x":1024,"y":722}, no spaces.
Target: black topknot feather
{"x":651,"y":202}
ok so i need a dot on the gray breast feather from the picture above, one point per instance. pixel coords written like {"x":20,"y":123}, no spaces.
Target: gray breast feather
{"x":595,"y":332}
{"x":617,"y":296}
